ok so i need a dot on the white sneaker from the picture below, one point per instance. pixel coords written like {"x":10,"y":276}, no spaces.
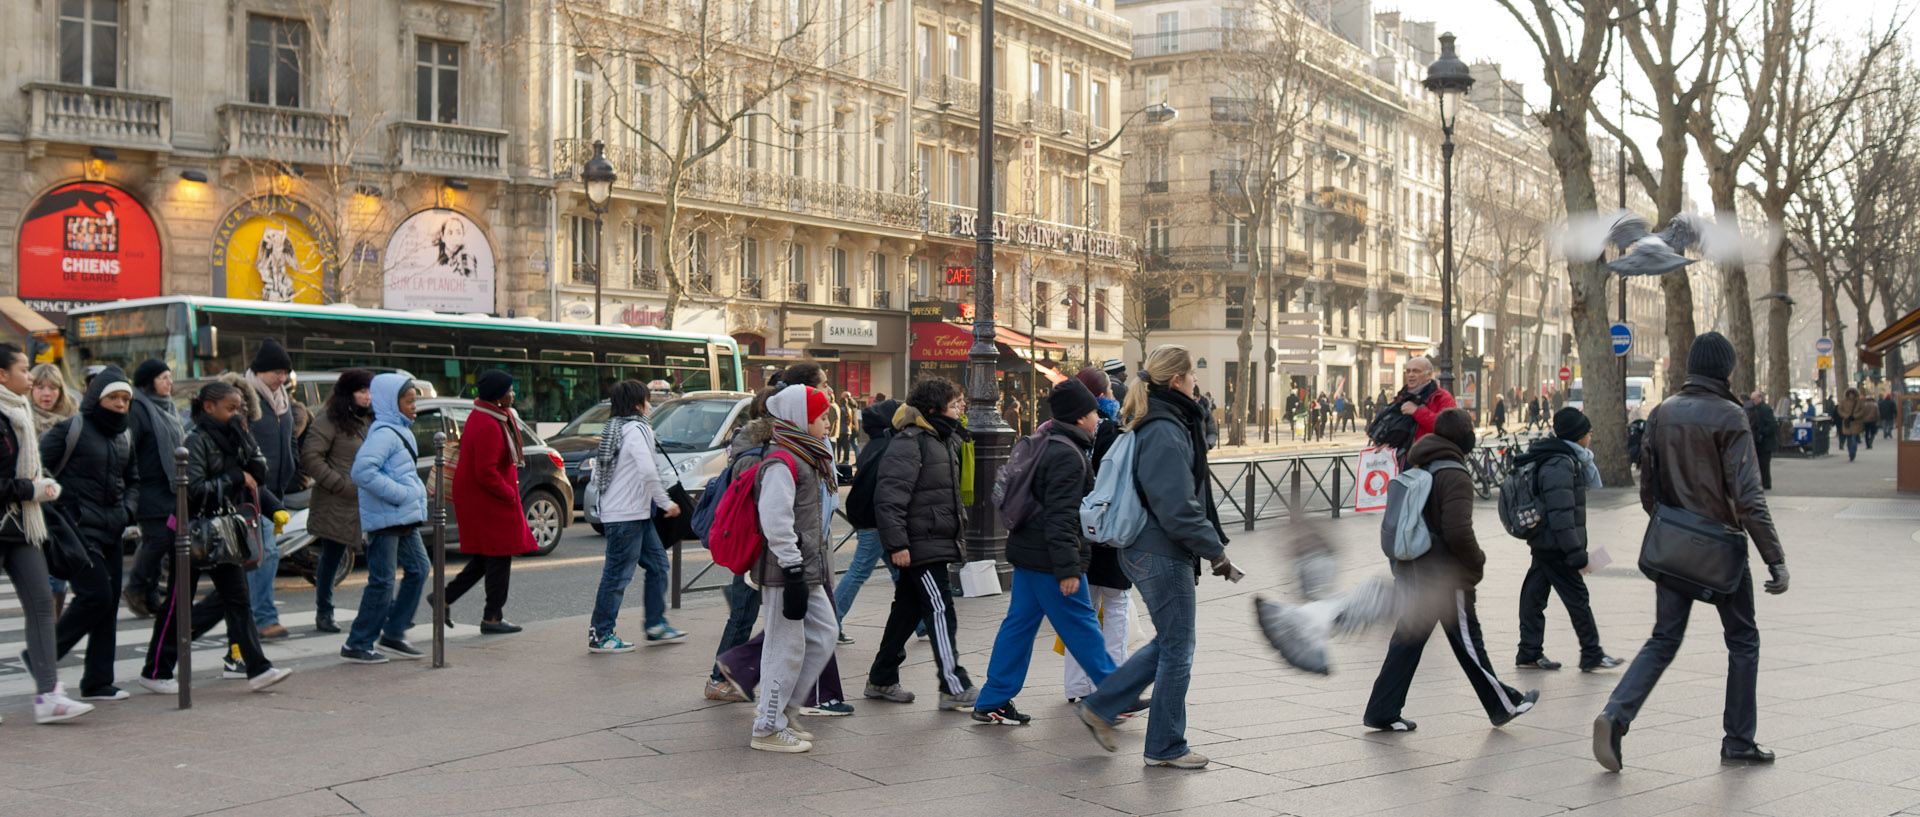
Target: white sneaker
{"x":268,"y":678}
{"x":782,"y":741}
{"x":55,"y":706}
{"x":160,"y":686}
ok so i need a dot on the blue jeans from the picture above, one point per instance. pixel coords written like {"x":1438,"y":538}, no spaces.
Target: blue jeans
{"x":331,"y":554}
{"x":1036,"y":594}
{"x":1167,"y":587}
{"x":630,"y":544}
{"x":867,"y":551}
{"x":260,"y":579}
{"x":1852,"y":442}
{"x":384,"y":613}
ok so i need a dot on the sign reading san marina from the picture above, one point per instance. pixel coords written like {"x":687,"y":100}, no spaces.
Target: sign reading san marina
{"x":846,"y":332}
{"x":1040,"y":235}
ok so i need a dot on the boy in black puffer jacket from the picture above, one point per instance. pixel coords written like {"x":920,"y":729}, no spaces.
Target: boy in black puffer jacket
{"x":1564,"y":472}
{"x":98,"y":479}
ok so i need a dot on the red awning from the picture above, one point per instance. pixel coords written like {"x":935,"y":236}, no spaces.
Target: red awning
{"x":1016,"y":340}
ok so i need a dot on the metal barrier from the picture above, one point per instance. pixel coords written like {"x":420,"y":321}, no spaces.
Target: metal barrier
{"x":692,"y":585}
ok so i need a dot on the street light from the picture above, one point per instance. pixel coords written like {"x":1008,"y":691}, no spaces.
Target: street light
{"x":1162,"y":113}
{"x":993,"y":441}
{"x":1449,"y":79}
{"x":598,"y":176}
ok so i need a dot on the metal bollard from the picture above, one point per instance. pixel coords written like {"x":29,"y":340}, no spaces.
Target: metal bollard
{"x":438,"y":515}
{"x":182,"y":581}
{"x":676,"y":576}
{"x":1294,"y":508}
{"x":1337,"y":495}
{"x":1253,"y":471}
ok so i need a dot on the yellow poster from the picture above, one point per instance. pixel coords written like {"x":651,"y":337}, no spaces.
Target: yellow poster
{"x":272,"y":253}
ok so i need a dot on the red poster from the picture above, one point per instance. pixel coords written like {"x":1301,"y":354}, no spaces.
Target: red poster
{"x":87,"y":242}
{"x":931,"y":340}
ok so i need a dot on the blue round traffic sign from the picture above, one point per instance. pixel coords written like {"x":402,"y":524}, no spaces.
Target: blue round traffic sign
{"x":1622,"y":339}
{"x":1823,"y":346}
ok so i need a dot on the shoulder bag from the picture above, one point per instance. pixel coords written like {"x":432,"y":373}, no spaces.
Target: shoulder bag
{"x":1686,"y":552}
{"x":678,"y":528}
{"x":230,"y":536}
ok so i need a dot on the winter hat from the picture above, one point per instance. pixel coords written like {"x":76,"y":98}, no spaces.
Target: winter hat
{"x":148,"y":371}
{"x":1711,"y":356}
{"x":1115,"y":366}
{"x":492,"y":384}
{"x":1070,"y":400}
{"x":818,"y":401}
{"x":272,"y":357}
{"x":1094,"y":379}
{"x":1571,"y":424}
{"x":794,"y":404}
{"x":1456,"y":426}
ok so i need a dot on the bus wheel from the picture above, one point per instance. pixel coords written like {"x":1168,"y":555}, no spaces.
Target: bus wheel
{"x":543,"y":518}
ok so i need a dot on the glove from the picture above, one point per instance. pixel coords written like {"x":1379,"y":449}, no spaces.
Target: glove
{"x":280,"y":519}
{"x":1577,"y":559}
{"x":1779,"y":583}
{"x":45,"y":489}
{"x":793,"y":597}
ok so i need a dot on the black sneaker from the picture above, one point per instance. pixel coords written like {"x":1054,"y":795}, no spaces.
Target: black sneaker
{"x":323,"y":623}
{"x":232,"y":669}
{"x":1005,"y":714}
{"x":1526,"y":703}
{"x":1138,"y":707}
{"x":353,"y":656}
{"x":1542,"y":662}
{"x":1395,"y":725}
{"x":399,"y":648}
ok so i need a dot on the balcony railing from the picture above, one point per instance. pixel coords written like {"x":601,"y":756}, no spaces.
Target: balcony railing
{"x":646,"y":278}
{"x":1157,"y":186}
{"x":1042,"y":116}
{"x":843,"y":296}
{"x":281,"y":134}
{"x":1075,"y":121}
{"x":1342,"y":271}
{"x":753,"y":288}
{"x":710,"y":181}
{"x":700,"y":283}
{"x":1226,"y":182}
{"x":99,"y":116}
{"x":1200,"y":39}
{"x":453,"y":150}
{"x":882,"y":299}
{"x":885,"y":72}
{"x":1090,"y":19}
{"x":585,"y":274}
{"x":1230,"y":109}
{"x":798,"y":291}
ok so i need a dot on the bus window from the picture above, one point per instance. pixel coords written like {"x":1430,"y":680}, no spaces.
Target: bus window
{"x":432,"y":362}
{"x":688,"y":374}
{"x":729,"y":366}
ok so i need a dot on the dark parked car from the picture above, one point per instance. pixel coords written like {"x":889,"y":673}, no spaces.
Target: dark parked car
{"x":577,"y":443}
{"x":545,"y":493}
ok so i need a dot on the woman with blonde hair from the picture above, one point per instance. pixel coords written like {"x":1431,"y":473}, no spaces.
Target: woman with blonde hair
{"x":1164,"y":561}
{"x":53,"y":401}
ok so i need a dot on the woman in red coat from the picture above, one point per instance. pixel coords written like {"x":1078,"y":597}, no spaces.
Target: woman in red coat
{"x":486,"y":499}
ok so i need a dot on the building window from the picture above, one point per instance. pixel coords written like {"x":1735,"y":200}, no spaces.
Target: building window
{"x":923,"y":51}
{"x":1167,"y":26}
{"x":1037,"y":81}
{"x":842,"y":150}
{"x":584,"y":237}
{"x":1097,"y":99}
{"x":750,"y":143}
{"x":922,"y":278}
{"x":957,"y":56}
{"x":1156,"y":307}
{"x":1157,"y":168}
{"x":1236,"y":307}
{"x":699,"y":253}
{"x":839,"y":259}
{"x":1078,"y":306}
{"x":957,"y":188}
{"x":1419,"y":324}
{"x":1097,"y":207}
{"x":646,"y":274}
{"x":880,"y":156}
{"x":796,"y":138}
{"x":90,"y":42}
{"x":1070,"y":90}
{"x":1099,"y":310}
{"x":1159,"y":236}
{"x":643,"y":102}
{"x":582,"y":97}
{"x":796,"y":264}
{"x":1157,"y":89}
{"x":882,"y":282}
{"x":924,"y":162}
{"x":436,"y":87}
{"x":1042,"y":305}
{"x":276,"y":60}
{"x":881,"y":29}
{"x":1238,"y":240}
{"x":749,"y":273}
{"x":1070,"y":212}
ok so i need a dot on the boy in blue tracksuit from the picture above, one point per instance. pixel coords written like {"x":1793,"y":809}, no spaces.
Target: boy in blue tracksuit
{"x":393,"y":506}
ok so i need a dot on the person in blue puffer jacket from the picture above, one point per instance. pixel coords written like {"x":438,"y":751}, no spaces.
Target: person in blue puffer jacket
{"x":393,"y":506}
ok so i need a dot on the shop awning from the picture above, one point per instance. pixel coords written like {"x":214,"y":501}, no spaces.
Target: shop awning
{"x":1020,"y":344}
{"x":938,"y":340}
{"x":24,"y":318}
{"x":1900,"y":332}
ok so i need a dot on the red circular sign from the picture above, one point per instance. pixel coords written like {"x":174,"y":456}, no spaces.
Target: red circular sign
{"x":1566,"y":374}
{"x":87,"y":242}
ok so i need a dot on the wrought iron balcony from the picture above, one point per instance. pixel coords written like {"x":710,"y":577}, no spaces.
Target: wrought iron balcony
{"x":753,"y":288}
{"x":646,"y":278}
{"x":700,"y":283}
{"x":585,"y":274}
{"x":797,"y":291}
{"x":281,"y":134}
{"x":882,"y":299}
{"x":1157,"y":186}
{"x":843,"y":296}
{"x":107,"y":117}
{"x":452,"y":150}
{"x":1042,"y":116}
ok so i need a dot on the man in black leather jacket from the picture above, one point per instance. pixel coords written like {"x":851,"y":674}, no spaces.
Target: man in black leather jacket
{"x":1563,"y":470}
{"x":1699,"y":455}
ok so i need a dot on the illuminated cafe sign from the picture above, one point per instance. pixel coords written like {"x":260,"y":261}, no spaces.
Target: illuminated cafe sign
{"x":959,"y":276}
{"x":1040,"y":235}
{"x":846,"y":332}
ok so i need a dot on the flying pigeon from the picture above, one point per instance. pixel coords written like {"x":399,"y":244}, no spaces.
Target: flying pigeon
{"x":1778,"y":296}
{"x":1648,"y":253}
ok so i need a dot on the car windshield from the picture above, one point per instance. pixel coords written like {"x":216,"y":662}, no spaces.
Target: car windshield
{"x":588,"y":424}
{"x":1634,"y":391}
{"x":690,"y":425}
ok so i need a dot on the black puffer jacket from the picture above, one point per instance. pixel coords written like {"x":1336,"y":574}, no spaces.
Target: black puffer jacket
{"x":1562,"y":492}
{"x":1050,"y":540}
{"x":96,"y":484}
{"x":1104,"y":570}
{"x":212,"y":475}
{"x":917,"y":498}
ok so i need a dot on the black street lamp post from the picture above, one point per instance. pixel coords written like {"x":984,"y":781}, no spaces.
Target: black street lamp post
{"x":598,"y":176}
{"x":1449,"y":79}
{"x":992,"y":439}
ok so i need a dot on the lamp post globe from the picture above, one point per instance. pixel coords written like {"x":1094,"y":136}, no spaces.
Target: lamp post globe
{"x":1450,"y":80}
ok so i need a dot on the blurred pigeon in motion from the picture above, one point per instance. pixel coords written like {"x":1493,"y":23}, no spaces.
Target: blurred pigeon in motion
{"x":1301,"y":632}
{"x":1644,"y":252}
{"x":1778,"y":296}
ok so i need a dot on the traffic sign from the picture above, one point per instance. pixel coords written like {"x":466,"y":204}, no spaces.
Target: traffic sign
{"x":1622,"y":339}
{"x":1823,"y":362}
{"x":1566,"y":374}
{"x":1823,"y":346}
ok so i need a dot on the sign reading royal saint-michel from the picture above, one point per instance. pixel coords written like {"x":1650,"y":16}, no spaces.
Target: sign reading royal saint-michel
{"x":1040,"y":235}
{"x":846,"y":332}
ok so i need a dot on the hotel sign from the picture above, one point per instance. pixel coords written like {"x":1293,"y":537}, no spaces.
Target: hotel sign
{"x":1039,"y":235}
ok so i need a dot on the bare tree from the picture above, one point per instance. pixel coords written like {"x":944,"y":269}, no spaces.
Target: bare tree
{"x":1507,"y":214}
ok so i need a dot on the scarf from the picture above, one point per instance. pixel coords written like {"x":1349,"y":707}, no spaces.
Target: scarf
{"x":44,"y":419}
{"x":1591,"y":472}
{"x":1109,"y":407}
{"x":507,"y":427}
{"x":109,"y":422}
{"x":607,"y":456}
{"x":26,"y":464}
{"x":808,"y":448}
{"x":165,"y":427}
{"x":276,"y":398}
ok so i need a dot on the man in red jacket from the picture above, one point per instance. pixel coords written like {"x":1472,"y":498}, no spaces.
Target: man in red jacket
{"x":486,"y":499}
{"x":1423,"y":398}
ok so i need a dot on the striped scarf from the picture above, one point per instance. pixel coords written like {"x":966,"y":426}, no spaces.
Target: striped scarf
{"x":810,"y":449}
{"x":612,"y":436}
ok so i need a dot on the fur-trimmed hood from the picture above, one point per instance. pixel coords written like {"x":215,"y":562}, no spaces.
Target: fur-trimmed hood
{"x":250,"y":397}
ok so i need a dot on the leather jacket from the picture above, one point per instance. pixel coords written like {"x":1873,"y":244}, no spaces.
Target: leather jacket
{"x":1704,"y":453}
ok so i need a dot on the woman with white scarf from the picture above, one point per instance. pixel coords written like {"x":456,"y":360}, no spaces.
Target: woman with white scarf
{"x":23,"y":531}
{"x":630,"y":491}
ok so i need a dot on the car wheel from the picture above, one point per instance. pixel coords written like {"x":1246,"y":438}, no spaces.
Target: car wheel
{"x":543,"y":518}
{"x":339,"y":575}
{"x":598,"y":528}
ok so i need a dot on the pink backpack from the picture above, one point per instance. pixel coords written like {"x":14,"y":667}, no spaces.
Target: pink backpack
{"x":736,"y":540}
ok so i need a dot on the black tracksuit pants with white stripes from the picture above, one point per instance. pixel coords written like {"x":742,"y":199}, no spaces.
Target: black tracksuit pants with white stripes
{"x":921,"y":593}
{"x":1453,"y":612}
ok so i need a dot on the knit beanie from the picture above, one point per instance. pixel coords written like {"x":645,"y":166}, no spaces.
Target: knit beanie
{"x":148,"y":371}
{"x":492,"y":384}
{"x":1070,"y":400}
{"x":1094,"y":379}
{"x":1571,"y":424}
{"x":272,"y":357}
{"x":1711,"y":356}
{"x":818,"y":400}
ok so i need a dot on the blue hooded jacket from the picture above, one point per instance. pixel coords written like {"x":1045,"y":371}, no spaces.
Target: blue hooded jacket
{"x":391,"y":493}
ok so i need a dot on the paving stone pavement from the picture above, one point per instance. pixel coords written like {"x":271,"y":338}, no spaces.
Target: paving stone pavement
{"x":531,"y":724}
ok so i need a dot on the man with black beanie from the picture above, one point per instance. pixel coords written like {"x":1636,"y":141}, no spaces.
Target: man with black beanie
{"x":1562,"y":471}
{"x":269,"y":374}
{"x":1698,"y":455}
{"x":154,"y":430}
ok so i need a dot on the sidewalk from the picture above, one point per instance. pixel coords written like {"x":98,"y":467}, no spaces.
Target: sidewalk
{"x":532,"y":724}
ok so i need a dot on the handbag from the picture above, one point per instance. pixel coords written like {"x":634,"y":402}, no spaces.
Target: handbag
{"x":66,"y":553}
{"x":229,"y":537}
{"x":1688,"y":553}
{"x":677,"y":528}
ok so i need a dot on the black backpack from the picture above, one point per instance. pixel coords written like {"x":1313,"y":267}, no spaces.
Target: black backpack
{"x":1391,"y":428}
{"x":866,"y":472}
